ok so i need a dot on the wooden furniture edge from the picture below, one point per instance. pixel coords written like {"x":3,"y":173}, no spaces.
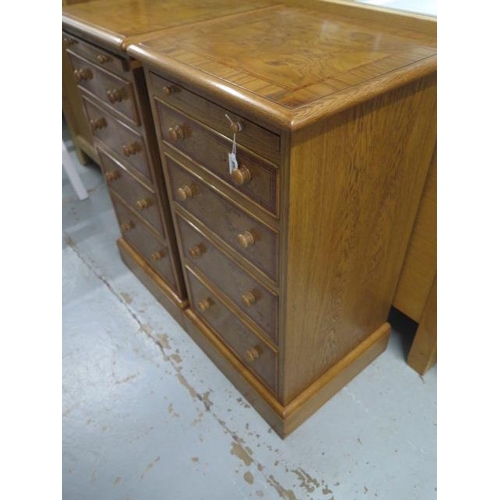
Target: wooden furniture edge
{"x":317,"y":110}
{"x":150,"y":279}
{"x":337,"y":377}
{"x":273,"y":114}
{"x":423,"y":352}
{"x":422,"y":23}
{"x":95,"y":34}
{"x":212,"y":87}
{"x":285,"y":419}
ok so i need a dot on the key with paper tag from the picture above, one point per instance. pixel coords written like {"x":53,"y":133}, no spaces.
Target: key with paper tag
{"x":231,"y":157}
{"x":233,"y":162}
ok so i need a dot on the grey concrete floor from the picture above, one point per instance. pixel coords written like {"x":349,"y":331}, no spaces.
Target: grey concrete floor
{"x":147,"y":416}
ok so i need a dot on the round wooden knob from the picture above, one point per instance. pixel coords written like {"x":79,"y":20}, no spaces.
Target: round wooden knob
{"x":112,"y":176}
{"x":252,"y":354}
{"x":176,"y":133}
{"x":143,"y":204}
{"x":169,"y":89}
{"x":158,"y":255}
{"x":185,"y":192}
{"x":246,"y":239}
{"x":97,"y":124}
{"x":205,"y":304}
{"x":103,"y":58}
{"x":236,"y":127}
{"x":131,"y":149}
{"x":114,"y":95}
{"x":196,"y":251}
{"x":82,"y":74}
{"x":241,"y":176}
{"x":248,"y":298}
{"x":127,"y":226}
{"x":69,"y":41}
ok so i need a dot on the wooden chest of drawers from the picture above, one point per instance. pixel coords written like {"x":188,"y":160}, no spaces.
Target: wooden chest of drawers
{"x":119,"y":117}
{"x":291,"y":255}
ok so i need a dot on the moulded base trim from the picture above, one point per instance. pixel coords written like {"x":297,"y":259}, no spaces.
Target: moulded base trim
{"x":285,"y":418}
{"x":152,"y":281}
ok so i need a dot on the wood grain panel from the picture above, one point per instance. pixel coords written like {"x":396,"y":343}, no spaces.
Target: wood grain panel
{"x":101,"y":83}
{"x":235,"y":334}
{"x":366,"y":194}
{"x":111,"y":22}
{"x":288,"y":55}
{"x":423,"y":352}
{"x":117,"y":136}
{"x":154,"y":252}
{"x":230,"y":278}
{"x":211,"y":151}
{"x":225,"y":219}
{"x":254,"y":137}
{"x":420,"y":265}
{"x":139,"y":197}
{"x":72,"y":107}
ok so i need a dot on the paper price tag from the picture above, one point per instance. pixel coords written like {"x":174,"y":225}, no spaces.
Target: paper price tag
{"x":231,"y":157}
{"x":233,"y":162}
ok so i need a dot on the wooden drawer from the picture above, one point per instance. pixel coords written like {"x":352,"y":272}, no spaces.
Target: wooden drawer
{"x":134,"y":193}
{"x":121,"y":139}
{"x":95,"y":54}
{"x":253,"y":299}
{"x":135,"y":232}
{"x":256,"y":138}
{"x":258,"y":179}
{"x":115,"y":92}
{"x":252,"y":351}
{"x":252,"y":239}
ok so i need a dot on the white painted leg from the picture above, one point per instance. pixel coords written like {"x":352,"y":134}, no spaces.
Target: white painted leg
{"x":74,"y":178}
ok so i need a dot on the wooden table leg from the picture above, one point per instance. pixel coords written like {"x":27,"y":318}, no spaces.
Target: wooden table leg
{"x":423,"y":352}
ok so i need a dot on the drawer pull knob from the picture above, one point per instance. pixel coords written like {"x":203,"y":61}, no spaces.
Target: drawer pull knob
{"x":205,"y":305}
{"x":241,"y":176}
{"x":196,"y":251}
{"x":127,"y":226}
{"x":98,"y":124}
{"x":252,"y":354}
{"x":234,"y":126}
{"x":82,"y":74}
{"x":114,"y":95}
{"x":176,"y":133}
{"x":143,"y":204}
{"x":248,"y":298}
{"x":170,"y":89}
{"x":112,"y":176}
{"x":158,"y":255}
{"x":103,"y":58}
{"x":185,"y":192}
{"x":131,"y":149}
{"x":246,"y":239}
{"x":69,"y":41}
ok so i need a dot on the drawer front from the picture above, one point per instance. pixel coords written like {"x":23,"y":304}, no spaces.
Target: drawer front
{"x":254,"y":300}
{"x":254,"y":137}
{"x":254,"y":177}
{"x":115,"y":92}
{"x":133,"y":192}
{"x":94,"y":54}
{"x":254,"y":353}
{"x":136,"y":233}
{"x":245,"y":234}
{"x":124,"y":141}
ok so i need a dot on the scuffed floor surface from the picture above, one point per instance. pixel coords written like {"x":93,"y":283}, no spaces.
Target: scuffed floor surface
{"x":147,"y":416}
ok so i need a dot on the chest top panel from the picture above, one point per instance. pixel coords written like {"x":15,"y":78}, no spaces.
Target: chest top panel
{"x":292,"y":56}
{"x":113,"y":21}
